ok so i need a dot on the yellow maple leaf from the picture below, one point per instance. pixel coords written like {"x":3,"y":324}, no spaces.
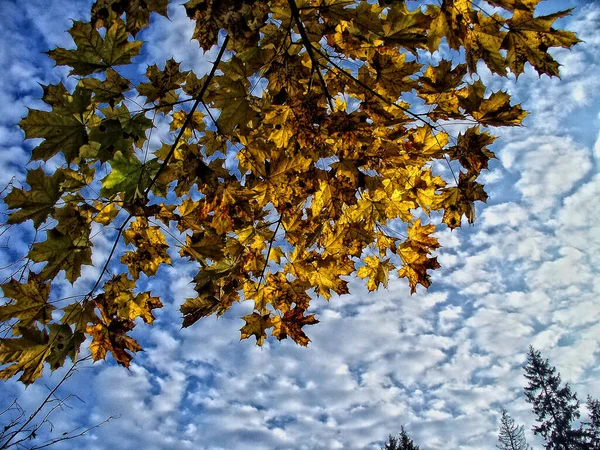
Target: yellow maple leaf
{"x":256,"y":324}
{"x":376,"y":270}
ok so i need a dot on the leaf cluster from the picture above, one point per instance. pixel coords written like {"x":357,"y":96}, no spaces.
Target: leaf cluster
{"x":297,"y":161}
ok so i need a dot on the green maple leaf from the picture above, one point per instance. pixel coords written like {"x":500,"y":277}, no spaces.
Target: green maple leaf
{"x":95,"y":53}
{"x":65,"y":102}
{"x":63,"y":342}
{"x":64,"y":134}
{"x":63,"y":129}
{"x":62,"y":252}
{"x":31,"y":301}
{"x":27,"y":354}
{"x":79,"y":315}
{"x":129,"y":176}
{"x":118,"y":131}
{"x":109,"y":90}
{"x":38,"y":202}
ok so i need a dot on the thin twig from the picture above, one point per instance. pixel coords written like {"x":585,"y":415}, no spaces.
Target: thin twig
{"x":262,"y":275}
{"x":65,"y":377}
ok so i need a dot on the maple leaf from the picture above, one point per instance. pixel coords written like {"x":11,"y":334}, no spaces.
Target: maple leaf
{"x":118,"y":131}
{"x":137,"y":12}
{"x":30,"y":301}
{"x":110,"y":90}
{"x":193,"y":309}
{"x":511,"y":5}
{"x":291,"y":325}
{"x":493,"y":111}
{"x":118,"y":296}
{"x":106,"y":213}
{"x":242,"y":19}
{"x":112,"y":338}
{"x":37,"y":202}
{"x":162,"y":84}
{"x":483,"y":42}
{"x":25,"y":354}
{"x":64,"y":102}
{"x":195,"y":123}
{"x":63,"y":129}
{"x":204,"y":245}
{"x":471,"y":149}
{"x":459,"y":200}
{"x":529,"y":38}
{"x":73,"y":219}
{"x":151,"y":249}
{"x":62,"y":252}
{"x":392,"y":72}
{"x":95,"y":53}
{"x":406,"y":28}
{"x":376,"y":270}
{"x":256,"y":324}
{"x":129,"y":176}
{"x":415,"y":268}
{"x":63,"y":342}
{"x":419,"y":236}
{"x":79,"y":315}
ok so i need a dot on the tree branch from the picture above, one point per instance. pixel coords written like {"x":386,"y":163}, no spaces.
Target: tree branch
{"x":188,"y":118}
{"x":309,"y":49}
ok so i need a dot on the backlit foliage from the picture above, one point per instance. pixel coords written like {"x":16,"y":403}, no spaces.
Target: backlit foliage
{"x":315,"y":148}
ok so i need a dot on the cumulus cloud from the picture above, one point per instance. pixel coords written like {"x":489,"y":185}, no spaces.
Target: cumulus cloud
{"x":549,"y":167}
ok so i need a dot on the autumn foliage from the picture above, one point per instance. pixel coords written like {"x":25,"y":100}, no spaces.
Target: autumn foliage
{"x":315,"y":148}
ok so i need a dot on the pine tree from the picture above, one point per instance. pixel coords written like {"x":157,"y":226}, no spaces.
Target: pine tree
{"x":555,"y":406}
{"x":511,"y":437}
{"x":402,"y":443}
{"x":591,"y":429}
{"x":391,"y":444}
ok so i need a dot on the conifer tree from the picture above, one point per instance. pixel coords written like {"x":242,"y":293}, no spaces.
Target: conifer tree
{"x":402,"y":443}
{"x":591,"y":429}
{"x":554,"y":405}
{"x":511,"y":436}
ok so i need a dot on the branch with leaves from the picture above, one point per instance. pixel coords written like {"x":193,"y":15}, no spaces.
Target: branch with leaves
{"x":295,"y":162}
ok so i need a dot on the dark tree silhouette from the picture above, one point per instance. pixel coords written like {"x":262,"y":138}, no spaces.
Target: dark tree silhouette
{"x":403,"y":442}
{"x":554,"y":405}
{"x":511,"y":436}
{"x":591,"y":429}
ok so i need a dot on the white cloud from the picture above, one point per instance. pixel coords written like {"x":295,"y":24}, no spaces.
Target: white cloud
{"x":568,"y":271}
{"x":548,"y":167}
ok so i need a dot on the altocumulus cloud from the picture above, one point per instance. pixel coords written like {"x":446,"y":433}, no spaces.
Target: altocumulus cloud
{"x":443,"y":362}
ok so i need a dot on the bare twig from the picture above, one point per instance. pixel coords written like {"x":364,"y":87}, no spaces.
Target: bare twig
{"x":15,"y":432}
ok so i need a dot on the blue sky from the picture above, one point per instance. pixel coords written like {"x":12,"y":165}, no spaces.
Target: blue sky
{"x":441,"y":362}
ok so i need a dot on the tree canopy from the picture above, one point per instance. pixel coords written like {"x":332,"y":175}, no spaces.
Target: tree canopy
{"x":318,"y":146}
